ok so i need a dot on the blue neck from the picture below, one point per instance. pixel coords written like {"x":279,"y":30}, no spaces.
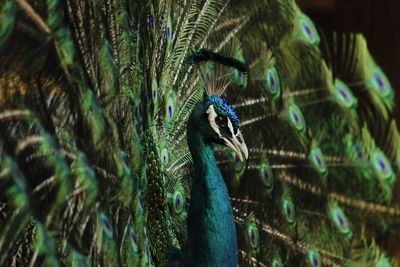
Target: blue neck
{"x":211,"y":229}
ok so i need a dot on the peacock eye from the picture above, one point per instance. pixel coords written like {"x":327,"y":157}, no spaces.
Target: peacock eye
{"x":221,"y":121}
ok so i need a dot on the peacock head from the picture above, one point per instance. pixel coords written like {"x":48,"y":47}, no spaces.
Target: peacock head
{"x":218,"y":122}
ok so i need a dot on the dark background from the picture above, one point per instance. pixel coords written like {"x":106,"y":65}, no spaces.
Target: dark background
{"x":378,"y":20}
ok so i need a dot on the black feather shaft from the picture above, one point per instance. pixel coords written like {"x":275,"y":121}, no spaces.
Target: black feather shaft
{"x":208,"y":55}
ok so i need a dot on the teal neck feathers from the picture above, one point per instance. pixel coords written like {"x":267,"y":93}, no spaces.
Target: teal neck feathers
{"x":211,"y":229}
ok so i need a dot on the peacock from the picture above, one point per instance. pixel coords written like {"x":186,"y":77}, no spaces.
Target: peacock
{"x":192,"y":133}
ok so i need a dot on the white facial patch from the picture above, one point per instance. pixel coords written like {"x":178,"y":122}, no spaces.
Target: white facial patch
{"x":211,"y":119}
{"x":235,"y":142}
{"x":230,"y":126}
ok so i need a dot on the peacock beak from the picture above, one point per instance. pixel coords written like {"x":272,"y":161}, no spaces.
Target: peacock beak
{"x":237,"y":144}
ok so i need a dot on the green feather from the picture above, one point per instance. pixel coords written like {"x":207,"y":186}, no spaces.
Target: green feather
{"x":7,"y":15}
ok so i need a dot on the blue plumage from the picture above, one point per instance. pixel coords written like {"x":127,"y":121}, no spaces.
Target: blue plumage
{"x":212,"y":237}
{"x":225,"y":109}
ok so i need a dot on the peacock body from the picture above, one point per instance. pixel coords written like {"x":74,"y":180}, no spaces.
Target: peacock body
{"x":120,"y":142}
